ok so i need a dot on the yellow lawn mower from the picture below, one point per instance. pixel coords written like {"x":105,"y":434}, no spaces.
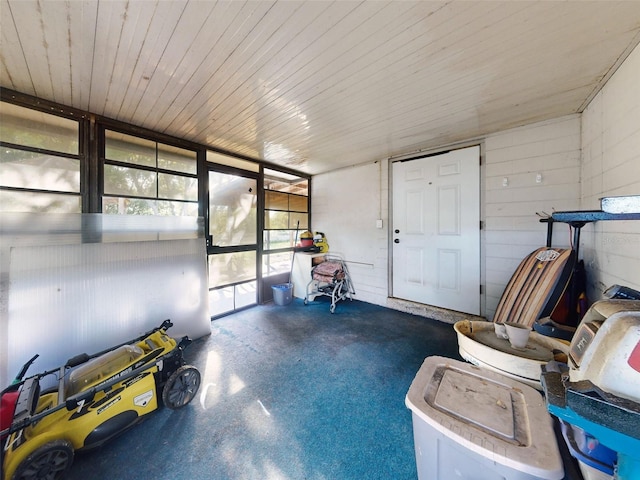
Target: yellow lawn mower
{"x":46,"y":417}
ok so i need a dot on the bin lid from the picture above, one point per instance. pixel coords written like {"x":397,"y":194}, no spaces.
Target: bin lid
{"x":488,"y":413}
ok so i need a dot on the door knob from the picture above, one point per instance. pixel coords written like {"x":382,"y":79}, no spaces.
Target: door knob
{"x":397,"y":231}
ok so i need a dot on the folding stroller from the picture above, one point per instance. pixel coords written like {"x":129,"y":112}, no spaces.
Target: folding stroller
{"x":330,"y":278}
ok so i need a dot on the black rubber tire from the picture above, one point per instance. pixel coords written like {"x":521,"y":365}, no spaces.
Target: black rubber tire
{"x":51,"y":461}
{"x":181,"y":387}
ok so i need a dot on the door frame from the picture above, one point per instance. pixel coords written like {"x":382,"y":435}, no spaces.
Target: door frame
{"x":255,"y":247}
{"x":427,"y":153}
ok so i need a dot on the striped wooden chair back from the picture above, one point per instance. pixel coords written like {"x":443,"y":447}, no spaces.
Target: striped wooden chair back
{"x":536,"y":286}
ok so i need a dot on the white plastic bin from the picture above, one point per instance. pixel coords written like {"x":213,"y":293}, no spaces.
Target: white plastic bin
{"x":474,"y":424}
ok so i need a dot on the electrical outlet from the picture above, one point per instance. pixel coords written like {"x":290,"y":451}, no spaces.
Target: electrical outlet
{"x":379,"y":223}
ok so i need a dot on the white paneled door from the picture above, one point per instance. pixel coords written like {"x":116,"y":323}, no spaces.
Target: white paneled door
{"x":436,"y":230}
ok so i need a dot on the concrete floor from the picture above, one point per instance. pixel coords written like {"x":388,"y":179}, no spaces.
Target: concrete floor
{"x":288,"y":393}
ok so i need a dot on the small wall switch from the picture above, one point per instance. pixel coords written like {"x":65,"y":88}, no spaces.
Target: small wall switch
{"x":538,"y":178}
{"x":379,"y":223}
{"x":505,"y":182}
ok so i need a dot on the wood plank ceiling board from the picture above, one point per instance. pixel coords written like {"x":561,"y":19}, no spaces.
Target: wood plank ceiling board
{"x":226,"y":64}
{"x":130,"y":52}
{"x":310,"y":77}
{"x":56,"y":49}
{"x":14,"y":69}
{"x":196,"y":38}
{"x":155,"y":42}
{"x":364,"y":117}
{"x":252,"y":92}
{"x":317,"y":86}
{"x":365,"y":107}
{"x":111,"y":20}
{"x":363,"y":103}
{"x":262,"y":87}
{"x":322,"y":67}
{"x":505,"y":87}
{"x":175,"y":39}
{"x":201,"y":66}
{"x":267,"y":97}
{"x":82,"y":31}
{"x":29,"y":27}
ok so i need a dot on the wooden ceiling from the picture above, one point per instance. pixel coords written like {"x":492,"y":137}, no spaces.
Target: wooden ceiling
{"x":317,"y":85}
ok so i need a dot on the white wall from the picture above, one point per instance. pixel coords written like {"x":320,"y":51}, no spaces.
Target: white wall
{"x":610,"y":167}
{"x":346,"y":203}
{"x":513,"y":229}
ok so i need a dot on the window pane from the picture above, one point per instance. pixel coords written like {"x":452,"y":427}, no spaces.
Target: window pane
{"x":232,"y":210}
{"x":246,"y":294}
{"x":35,"y":202}
{"x":286,"y":207}
{"x":38,"y":171}
{"x":140,"y":206}
{"x":275,"y":220}
{"x":129,"y":149}
{"x":297,"y":203}
{"x":228,"y":268}
{"x":275,"y":263}
{"x":129,"y":181}
{"x":230,"y":161}
{"x":302,"y":218}
{"x":24,"y":126}
{"x":274,"y":239}
{"x":276,"y":200}
{"x":177,"y":187}
{"x":285,"y":182}
{"x":177,"y":159}
{"x":221,"y":301}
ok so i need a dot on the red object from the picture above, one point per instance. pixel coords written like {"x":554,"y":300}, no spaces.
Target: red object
{"x":306,"y":242}
{"x":7,"y":408}
{"x":634,"y":358}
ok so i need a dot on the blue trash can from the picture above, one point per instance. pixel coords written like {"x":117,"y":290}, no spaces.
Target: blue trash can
{"x":282,"y":293}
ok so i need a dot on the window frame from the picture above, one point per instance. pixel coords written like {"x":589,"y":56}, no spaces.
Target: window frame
{"x":91,"y":155}
{"x":80,"y":156}
{"x":157,"y":171}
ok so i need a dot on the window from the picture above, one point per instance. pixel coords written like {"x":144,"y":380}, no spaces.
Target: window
{"x":144,"y":177}
{"x":54,"y":160}
{"x":39,"y":162}
{"x":286,"y":211}
{"x":233,"y":210}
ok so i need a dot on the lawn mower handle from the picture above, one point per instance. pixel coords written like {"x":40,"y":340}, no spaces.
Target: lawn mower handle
{"x":24,"y":369}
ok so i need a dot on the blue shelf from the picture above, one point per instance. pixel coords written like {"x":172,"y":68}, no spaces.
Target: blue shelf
{"x":588,"y":216}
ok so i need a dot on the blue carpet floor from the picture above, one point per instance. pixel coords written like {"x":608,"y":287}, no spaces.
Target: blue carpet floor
{"x":288,"y":393}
